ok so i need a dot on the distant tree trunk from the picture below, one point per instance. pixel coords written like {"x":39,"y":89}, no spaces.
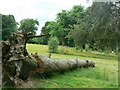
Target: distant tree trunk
{"x":83,"y":46}
{"x":92,"y":44}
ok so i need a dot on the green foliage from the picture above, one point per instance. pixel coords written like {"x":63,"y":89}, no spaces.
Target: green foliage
{"x":103,"y":28}
{"x":28,"y":25}
{"x":33,"y":41}
{"x":98,"y":28}
{"x":9,"y":26}
{"x":53,"y":44}
{"x":52,"y":29}
{"x":67,"y":19}
{"x":61,"y":27}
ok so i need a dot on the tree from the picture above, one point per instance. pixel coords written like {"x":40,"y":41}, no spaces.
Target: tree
{"x":53,"y":44}
{"x":103,"y":25}
{"x":46,"y":30}
{"x":63,"y":25}
{"x":80,"y":35}
{"x":9,"y":26}
{"x":52,"y":28}
{"x":28,"y":25}
{"x":97,"y":28}
{"x":67,"y":19}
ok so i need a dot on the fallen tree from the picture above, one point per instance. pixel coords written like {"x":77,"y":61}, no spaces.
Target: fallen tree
{"x":18,"y":64}
{"x":52,"y":65}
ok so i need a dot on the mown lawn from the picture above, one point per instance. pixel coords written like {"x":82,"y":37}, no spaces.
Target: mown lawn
{"x":104,"y":75}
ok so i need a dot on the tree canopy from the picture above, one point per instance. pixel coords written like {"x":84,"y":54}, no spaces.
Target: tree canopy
{"x":97,"y":26}
{"x":9,"y":25}
{"x":28,"y":25}
{"x":64,"y":23}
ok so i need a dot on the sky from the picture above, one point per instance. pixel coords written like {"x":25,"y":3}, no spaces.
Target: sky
{"x":42,"y":10}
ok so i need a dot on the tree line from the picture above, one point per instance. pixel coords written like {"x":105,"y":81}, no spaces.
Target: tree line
{"x":94,"y":28}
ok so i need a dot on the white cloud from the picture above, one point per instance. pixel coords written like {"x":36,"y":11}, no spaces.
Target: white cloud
{"x":43,"y":10}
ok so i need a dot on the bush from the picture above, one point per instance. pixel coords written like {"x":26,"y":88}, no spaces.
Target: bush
{"x":53,"y":44}
{"x":33,"y":41}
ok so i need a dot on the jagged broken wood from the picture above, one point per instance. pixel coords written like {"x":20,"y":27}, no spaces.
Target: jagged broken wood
{"x":16,"y":61}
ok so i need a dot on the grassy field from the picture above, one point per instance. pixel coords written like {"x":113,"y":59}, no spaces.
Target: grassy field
{"x":104,"y":75}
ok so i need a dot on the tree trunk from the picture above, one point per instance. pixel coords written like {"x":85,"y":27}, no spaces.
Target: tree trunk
{"x":52,"y":65}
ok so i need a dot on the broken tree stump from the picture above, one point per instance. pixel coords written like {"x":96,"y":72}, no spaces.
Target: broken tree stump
{"x":16,"y":61}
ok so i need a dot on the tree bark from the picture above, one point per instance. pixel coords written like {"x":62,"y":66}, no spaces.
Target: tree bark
{"x":16,"y":61}
{"x":52,"y":65}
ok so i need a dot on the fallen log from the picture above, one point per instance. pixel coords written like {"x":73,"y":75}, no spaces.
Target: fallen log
{"x":18,"y":64}
{"x":53,"y":65}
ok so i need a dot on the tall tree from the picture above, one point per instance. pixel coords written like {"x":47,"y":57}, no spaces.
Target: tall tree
{"x":52,"y":28}
{"x":46,"y":30}
{"x":63,"y":25}
{"x":98,"y":27}
{"x":9,"y":26}
{"x":28,"y":25}
{"x":103,"y":19}
{"x":67,"y":19}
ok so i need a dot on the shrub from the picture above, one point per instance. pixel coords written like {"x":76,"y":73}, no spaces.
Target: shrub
{"x":53,"y":44}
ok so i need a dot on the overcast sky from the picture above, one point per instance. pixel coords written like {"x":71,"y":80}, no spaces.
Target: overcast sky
{"x":42,"y":10}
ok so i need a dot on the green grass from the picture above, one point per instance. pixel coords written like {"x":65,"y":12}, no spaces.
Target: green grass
{"x":104,"y":75}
